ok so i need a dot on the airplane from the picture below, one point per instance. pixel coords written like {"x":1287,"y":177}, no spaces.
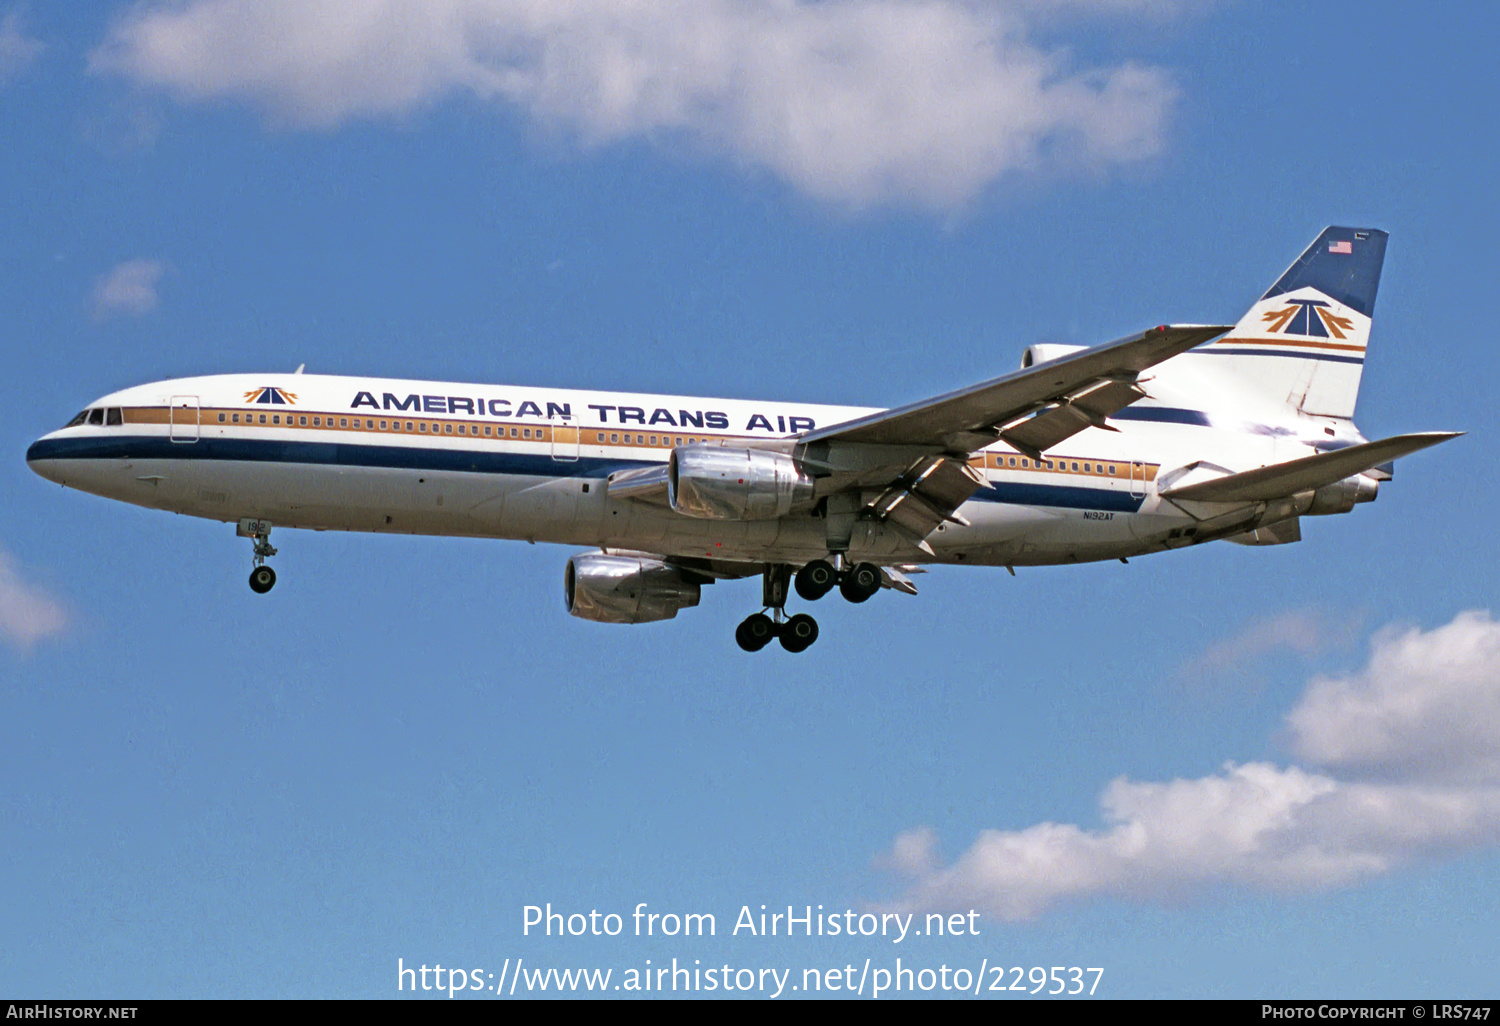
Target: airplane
{"x":1175,"y":436}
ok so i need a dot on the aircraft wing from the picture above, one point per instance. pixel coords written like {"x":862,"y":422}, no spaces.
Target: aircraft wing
{"x":908,"y":467}
{"x":1032,"y":409}
{"x":1282,"y":479}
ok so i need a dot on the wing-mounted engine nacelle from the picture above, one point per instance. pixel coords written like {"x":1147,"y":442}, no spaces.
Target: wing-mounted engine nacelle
{"x":711,"y":483}
{"x":626,"y":589}
{"x":1342,"y":496}
{"x":1044,"y":351}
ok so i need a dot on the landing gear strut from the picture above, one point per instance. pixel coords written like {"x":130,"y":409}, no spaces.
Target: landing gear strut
{"x":262,"y":577}
{"x":796,"y":633}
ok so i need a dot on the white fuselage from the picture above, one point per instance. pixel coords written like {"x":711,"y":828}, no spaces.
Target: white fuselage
{"x":414,"y":457}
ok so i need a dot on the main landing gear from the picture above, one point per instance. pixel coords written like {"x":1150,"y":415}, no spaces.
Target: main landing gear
{"x":262,"y":578}
{"x":796,"y":633}
{"x":856,"y":584}
{"x":816,"y":579}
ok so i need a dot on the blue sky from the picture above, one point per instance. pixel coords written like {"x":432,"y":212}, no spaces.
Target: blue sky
{"x":204,"y":792}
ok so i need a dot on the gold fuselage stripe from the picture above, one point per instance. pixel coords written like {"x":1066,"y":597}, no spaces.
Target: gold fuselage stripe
{"x":521,"y":431}
{"x":1242,"y":340}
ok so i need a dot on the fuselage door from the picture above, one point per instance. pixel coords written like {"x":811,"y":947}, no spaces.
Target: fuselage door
{"x":184,"y":418}
{"x":564,"y":439}
{"x":1137,"y":480}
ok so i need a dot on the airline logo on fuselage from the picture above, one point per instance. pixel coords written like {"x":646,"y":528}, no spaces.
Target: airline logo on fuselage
{"x":1310,"y":318}
{"x":271,"y":394}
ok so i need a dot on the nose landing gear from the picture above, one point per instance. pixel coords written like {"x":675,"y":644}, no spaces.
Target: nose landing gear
{"x":262,"y":577}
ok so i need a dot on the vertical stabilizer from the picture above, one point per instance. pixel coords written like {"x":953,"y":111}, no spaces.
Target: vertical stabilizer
{"x":1303,"y":343}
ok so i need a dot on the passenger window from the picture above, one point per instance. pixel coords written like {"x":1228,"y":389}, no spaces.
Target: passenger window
{"x":640,"y":439}
{"x":679,"y":441}
{"x":382,"y":425}
{"x":1111,"y":469}
{"x":461,"y":430}
{"x":276,"y":419}
{"x":262,"y":418}
{"x":1013,"y":461}
{"x":408,"y":425}
{"x":526,"y":433}
{"x":302,"y":421}
{"x":96,"y":417}
{"x":653,"y":439}
{"x":1075,"y":464}
{"x":343,"y":421}
{"x":235,"y":417}
{"x":223,"y":417}
{"x":614,"y":438}
{"x":317,"y":422}
{"x":424,"y":427}
{"x":1087,"y":469}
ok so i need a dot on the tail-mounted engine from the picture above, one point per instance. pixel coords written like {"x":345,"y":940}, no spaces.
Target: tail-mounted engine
{"x":711,"y":483}
{"x":1342,"y":496}
{"x":1044,"y":351}
{"x":626,"y":589}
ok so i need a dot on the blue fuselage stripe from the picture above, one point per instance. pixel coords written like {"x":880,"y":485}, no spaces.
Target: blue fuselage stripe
{"x":342,"y":454}
{"x":1162,"y":414}
{"x":336,"y":454}
{"x":1017,"y":493}
{"x":1300,"y":354}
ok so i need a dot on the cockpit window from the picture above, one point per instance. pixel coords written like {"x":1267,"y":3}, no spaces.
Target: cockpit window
{"x":112,"y":417}
{"x":96,"y":417}
{"x":83,"y":415}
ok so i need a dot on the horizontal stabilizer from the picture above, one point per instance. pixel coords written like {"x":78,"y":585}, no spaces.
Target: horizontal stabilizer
{"x":1310,"y":472}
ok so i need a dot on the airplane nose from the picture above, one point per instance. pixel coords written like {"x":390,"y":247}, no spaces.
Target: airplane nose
{"x":41,"y":457}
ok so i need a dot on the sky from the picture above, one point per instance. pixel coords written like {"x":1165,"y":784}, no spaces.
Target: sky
{"x":1217,"y":772}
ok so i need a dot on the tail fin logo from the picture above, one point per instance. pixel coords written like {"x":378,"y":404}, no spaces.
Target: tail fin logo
{"x":271,"y":394}
{"x":1310,"y":318}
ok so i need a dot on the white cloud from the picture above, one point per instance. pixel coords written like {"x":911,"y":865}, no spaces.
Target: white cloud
{"x":17,"y":50}
{"x":27,"y":614}
{"x":1304,"y":631}
{"x":128,"y":289}
{"x":856,"y":101}
{"x":1423,"y":712}
{"x":1427,"y":705}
